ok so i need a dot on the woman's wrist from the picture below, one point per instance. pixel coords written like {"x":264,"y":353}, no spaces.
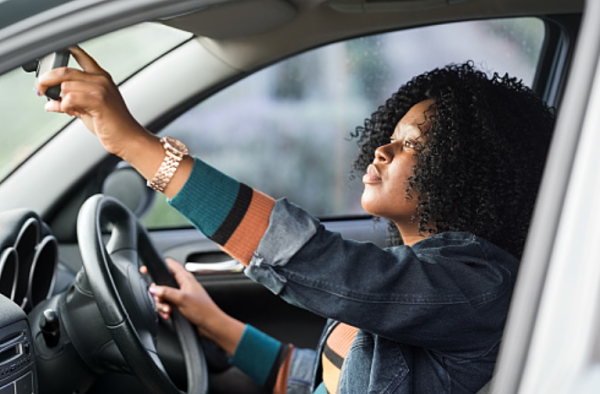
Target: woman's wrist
{"x":141,"y":149}
{"x":146,"y":153}
{"x":224,"y":330}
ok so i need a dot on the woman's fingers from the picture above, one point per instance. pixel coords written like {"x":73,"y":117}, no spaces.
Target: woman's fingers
{"x":163,"y":309}
{"x":87,"y":63}
{"x":190,"y":299}
{"x":162,"y":297}
{"x":52,"y":106}
{"x":74,"y":102}
{"x":167,"y":294}
{"x":81,"y":93}
{"x":93,"y":97}
{"x":59,"y":75}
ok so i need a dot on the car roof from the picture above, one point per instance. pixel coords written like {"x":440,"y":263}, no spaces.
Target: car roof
{"x":243,"y":33}
{"x":288,"y":27}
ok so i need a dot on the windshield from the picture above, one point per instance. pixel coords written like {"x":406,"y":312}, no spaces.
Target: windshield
{"x":26,"y":126}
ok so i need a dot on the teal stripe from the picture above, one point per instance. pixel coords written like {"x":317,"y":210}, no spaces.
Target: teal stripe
{"x":206,"y":198}
{"x":255,"y":354}
{"x":321,"y":389}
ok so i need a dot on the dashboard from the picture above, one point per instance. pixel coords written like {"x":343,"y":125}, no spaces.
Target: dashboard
{"x":28,"y":258}
{"x":28,"y":267}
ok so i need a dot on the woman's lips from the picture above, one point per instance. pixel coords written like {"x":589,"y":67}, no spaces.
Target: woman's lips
{"x":372,"y":175}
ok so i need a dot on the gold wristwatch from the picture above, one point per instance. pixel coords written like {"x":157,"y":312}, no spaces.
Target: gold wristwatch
{"x":175,"y":151}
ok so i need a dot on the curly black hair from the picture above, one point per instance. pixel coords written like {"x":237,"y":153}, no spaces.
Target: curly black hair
{"x":480,"y":167}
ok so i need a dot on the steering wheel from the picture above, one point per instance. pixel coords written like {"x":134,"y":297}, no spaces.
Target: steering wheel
{"x":122,"y":296}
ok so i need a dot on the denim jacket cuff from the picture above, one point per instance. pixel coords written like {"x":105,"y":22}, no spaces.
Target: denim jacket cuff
{"x":290,"y":228}
{"x":301,"y":371}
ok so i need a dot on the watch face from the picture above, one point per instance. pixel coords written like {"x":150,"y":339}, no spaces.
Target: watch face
{"x":177,"y":145}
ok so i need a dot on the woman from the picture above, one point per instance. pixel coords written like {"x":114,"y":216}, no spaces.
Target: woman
{"x":453,"y":161}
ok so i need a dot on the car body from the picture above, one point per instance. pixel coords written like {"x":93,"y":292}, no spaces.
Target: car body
{"x":551,"y":340}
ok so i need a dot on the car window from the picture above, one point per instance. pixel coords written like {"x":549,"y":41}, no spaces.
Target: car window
{"x":25,"y":127}
{"x":285,"y":130}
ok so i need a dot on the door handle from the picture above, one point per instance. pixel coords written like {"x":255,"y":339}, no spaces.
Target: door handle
{"x":221,"y":267}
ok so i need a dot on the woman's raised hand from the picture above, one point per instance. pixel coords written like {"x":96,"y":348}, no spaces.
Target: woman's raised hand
{"x":92,"y":96}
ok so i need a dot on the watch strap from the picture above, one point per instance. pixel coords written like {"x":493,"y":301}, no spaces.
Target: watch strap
{"x":169,"y":166}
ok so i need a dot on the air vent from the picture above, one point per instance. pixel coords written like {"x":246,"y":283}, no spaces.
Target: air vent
{"x":362,"y":6}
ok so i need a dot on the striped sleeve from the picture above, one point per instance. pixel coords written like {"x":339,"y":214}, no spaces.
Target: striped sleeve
{"x":264,"y":359}
{"x":228,"y":212}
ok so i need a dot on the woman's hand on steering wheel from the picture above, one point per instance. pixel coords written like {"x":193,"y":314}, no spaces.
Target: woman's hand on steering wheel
{"x":194,"y":303}
{"x":191,"y":299}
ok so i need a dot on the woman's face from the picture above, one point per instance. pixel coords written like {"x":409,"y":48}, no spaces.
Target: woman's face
{"x":386,"y":179}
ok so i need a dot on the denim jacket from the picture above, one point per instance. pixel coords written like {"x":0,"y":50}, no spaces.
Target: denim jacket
{"x":430,"y":316}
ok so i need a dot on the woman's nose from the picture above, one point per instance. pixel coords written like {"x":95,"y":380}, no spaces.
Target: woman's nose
{"x":383,"y":154}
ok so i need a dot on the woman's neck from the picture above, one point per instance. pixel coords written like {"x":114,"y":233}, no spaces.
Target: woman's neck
{"x":410,"y":233}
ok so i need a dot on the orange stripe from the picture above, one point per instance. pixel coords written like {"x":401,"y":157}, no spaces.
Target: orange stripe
{"x":331,"y":375}
{"x":246,"y":237}
{"x":341,"y":339}
{"x":284,"y":372}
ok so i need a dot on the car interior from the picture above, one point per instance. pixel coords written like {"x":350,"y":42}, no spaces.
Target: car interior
{"x":269,"y":91}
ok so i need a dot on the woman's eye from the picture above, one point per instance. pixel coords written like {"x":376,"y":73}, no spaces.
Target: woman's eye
{"x":409,"y":144}
{"x":392,"y":140}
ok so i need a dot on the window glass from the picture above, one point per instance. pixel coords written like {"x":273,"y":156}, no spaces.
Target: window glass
{"x":285,"y":130}
{"x":25,"y":125}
